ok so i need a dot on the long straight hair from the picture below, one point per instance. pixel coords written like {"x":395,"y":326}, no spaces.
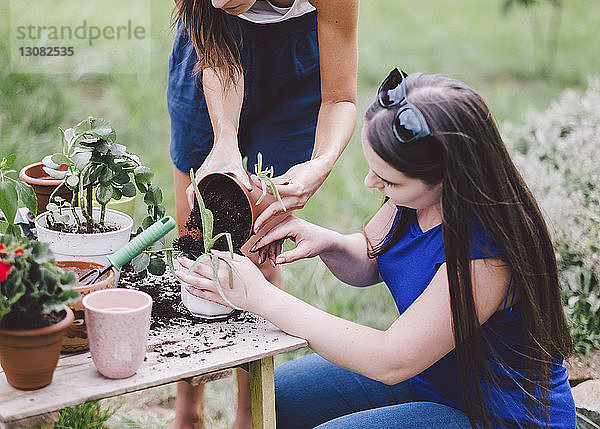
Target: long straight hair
{"x":479,"y":181}
{"x":209,"y":29}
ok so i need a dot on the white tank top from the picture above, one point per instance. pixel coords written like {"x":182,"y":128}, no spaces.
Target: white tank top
{"x":264,"y":12}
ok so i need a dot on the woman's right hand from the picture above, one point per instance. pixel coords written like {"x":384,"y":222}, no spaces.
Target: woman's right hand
{"x":310,"y":239}
{"x":221,"y":159}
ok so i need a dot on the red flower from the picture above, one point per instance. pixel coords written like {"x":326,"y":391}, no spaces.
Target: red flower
{"x":2,"y":249}
{"x":19,"y":251}
{"x":4,"y":270}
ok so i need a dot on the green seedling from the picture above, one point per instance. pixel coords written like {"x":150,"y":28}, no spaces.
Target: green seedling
{"x":209,"y":242}
{"x":266,"y":180}
{"x":100,"y":168}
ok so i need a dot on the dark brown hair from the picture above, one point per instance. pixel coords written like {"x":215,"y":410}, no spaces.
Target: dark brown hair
{"x":209,"y":30}
{"x":479,"y":180}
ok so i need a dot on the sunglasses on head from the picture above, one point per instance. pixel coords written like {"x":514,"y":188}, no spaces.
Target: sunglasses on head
{"x":409,"y":123}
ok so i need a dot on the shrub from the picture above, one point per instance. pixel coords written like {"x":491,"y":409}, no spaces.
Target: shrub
{"x":557,"y":152}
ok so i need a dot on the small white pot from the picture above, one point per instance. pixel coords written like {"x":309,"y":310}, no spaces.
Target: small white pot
{"x":197,"y":306}
{"x":86,"y":247}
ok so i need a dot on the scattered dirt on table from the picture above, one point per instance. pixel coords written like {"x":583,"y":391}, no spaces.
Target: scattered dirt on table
{"x":169,"y":312}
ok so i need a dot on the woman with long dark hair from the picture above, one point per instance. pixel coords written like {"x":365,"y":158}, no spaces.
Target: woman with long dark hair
{"x":276,"y":77}
{"x":462,"y":246}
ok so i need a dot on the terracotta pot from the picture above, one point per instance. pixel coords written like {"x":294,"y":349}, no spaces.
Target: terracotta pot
{"x":43,"y":185}
{"x":201,"y":307}
{"x":76,"y":338}
{"x":29,"y":357}
{"x":252,"y":196}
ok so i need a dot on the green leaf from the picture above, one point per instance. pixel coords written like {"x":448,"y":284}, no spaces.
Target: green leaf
{"x":55,"y":174}
{"x":81,"y":159}
{"x":14,"y":288}
{"x":140,"y":262}
{"x":13,"y":230}
{"x":5,"y":308}
{"x":121,"y":178}
{"x":153,"y":196}
{"x":141,"y":187}
{"x":107,"y":176}
{"x":51,"y":207}
{"x":82,"y":126}
{"x":27,"y":196}
{"x":215,"y":265}
{"x":116,"y":193}
{"x":263,"y":184}
{"x":8,"y":161}
{"x":68,"y":280}
{"x":204,"y":213}
{"x":9,"y":201}
{"x":147,"y":222}
{"x":41,"y":253}
{"x":68,"y":135}
{"x":72,"y":180}
{"x":101,"y":127}
{"x":60,"y":159}
{"x":128,"y":189}
{"x":209,"y":228}
{"x":118,"y":150}
{"x":157,"y":266}
{"x":102,"y":147}
{"x":47,"y":161}
{"x":169,"y":254}
{"x":276,"y":193}
{"x":103,"y":194}
{"x":143,"y":174}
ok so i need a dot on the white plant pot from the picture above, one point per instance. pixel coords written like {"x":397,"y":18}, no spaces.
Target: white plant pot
{"x":197,"y":306}
{"x":86,"y":247}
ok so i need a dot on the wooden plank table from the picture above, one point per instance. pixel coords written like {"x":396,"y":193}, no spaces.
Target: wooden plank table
{"x":173,"y":354}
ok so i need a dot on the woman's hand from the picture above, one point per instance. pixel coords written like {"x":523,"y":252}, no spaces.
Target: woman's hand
{"x":311,"y":240}
{"x":224,"y":158}
{"x":295,"y":187}
{"x":249,"y":283}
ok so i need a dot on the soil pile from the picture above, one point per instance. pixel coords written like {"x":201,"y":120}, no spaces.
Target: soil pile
{"x":167,"y":309}
{"x":231,"y":213}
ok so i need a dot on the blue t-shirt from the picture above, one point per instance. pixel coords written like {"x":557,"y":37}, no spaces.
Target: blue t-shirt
{"x":407,"y":268}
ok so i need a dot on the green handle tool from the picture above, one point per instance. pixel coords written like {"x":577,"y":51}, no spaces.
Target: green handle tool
{"x":136,"y":246}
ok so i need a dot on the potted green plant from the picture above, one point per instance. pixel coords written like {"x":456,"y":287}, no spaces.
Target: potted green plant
{"x":100,"y":169}
{"x":33,"y":311}
{"x":13,"y":194}
{"x":200,"y":250}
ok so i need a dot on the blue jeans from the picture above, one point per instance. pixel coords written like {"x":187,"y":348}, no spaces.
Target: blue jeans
{"x":312,"y":392}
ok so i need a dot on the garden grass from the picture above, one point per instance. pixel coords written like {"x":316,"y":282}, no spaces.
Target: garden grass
{"x":468,"y":39}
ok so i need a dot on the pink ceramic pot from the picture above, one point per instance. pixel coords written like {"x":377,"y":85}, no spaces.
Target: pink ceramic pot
{"x":118,"y":324}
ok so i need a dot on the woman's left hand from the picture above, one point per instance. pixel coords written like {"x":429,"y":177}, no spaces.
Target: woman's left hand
{"x":295,"y":187}
{"x":248,"y":281}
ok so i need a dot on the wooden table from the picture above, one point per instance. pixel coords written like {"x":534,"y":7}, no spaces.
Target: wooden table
{"x":182,"y":353}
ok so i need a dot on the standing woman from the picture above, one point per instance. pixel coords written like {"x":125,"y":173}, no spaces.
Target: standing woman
{"x":462,"y":246}
{"x":271,"y":76}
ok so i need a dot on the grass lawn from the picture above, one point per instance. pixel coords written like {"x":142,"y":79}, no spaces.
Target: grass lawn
{"x":468,"y":39}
